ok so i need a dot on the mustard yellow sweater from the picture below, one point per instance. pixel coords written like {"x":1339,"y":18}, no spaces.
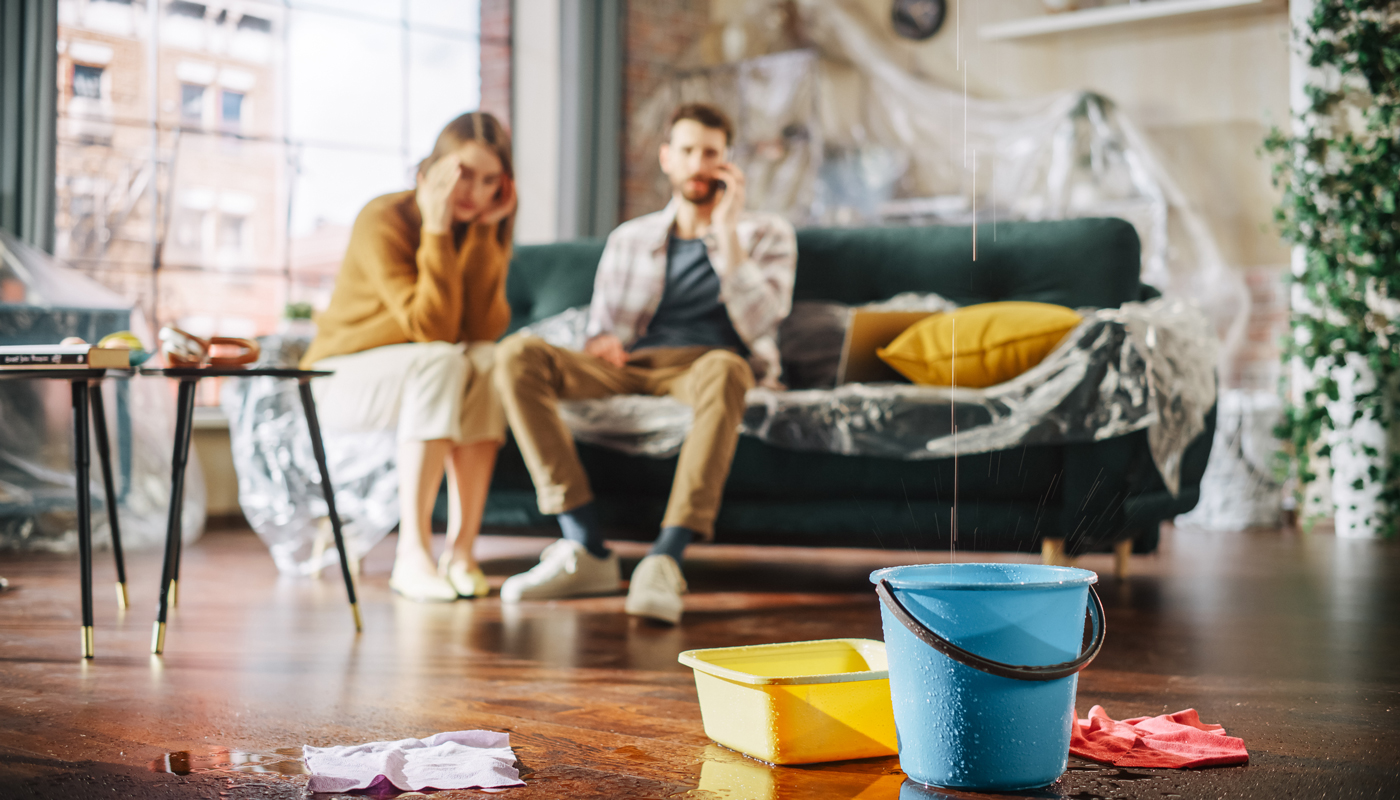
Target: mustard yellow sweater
{"x":399,"y":284}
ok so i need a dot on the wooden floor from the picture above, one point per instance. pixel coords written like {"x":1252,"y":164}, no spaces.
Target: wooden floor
{"x":1290,"y":641}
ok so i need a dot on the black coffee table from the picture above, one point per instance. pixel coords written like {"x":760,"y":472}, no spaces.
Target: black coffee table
{"x":87,"y":396}
{"x":189,"y":377}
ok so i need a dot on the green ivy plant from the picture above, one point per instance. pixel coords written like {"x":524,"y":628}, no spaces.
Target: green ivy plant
{"x":1340,"y":172}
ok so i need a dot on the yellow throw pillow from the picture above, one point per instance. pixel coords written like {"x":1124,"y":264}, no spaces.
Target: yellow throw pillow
{"x":995,"y":343}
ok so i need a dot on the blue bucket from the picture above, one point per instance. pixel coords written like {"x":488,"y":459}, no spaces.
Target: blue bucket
{"x":984,"y":661}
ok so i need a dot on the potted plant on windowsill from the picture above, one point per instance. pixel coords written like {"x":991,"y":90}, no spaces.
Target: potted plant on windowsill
{"x":1340,"y":174}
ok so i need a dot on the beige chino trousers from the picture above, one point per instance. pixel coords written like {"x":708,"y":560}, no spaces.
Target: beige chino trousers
{"x":532,"y":376}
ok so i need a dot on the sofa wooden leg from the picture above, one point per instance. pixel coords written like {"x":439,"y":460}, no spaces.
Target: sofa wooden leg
{"x":1052,"y":553}
{"x":1122,"y":554}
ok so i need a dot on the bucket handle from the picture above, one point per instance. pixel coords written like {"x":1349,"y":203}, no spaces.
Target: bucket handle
{"x":1020,"y":672}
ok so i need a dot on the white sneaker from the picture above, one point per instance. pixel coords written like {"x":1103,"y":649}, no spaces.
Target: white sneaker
{"x":566,"y":569}
{"x":657,"y":586}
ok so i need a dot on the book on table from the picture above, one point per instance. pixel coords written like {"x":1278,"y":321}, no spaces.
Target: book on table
{"x":63,"y":356}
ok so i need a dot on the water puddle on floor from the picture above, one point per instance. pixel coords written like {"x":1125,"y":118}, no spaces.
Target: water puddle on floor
{"x":286,"y":761}
{"x":1086,"y":780}
{"x":726,"y":774}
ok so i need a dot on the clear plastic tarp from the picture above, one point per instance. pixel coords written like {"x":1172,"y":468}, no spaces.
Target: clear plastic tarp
{"x":1142,"y":366}
{"x":279,"y":484}
{"x":835,"y":129}
{"x":1241,"y":487}
{"x":43,"y":301}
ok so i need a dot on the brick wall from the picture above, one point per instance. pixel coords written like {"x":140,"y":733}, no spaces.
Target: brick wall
{"x":495,"y":58}
{"x":657,"y":33}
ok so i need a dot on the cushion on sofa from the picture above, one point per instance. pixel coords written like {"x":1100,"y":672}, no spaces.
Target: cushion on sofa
{"x":979,"y":346}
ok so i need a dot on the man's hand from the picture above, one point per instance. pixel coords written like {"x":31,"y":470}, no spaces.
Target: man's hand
{"x":607,"y":347}
{"x":725,"y":218}
{"x":731,"y":199}
{"x":434,"y":193}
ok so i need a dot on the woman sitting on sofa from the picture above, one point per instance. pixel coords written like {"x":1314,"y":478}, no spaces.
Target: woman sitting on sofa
{"x":418,"y":303}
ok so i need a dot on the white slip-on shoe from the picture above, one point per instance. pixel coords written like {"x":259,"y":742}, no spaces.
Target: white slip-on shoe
{"x":421,"y":586}
{"x":467,"y":582}
{"x":657,"y":586}
{"x":566,"y":569}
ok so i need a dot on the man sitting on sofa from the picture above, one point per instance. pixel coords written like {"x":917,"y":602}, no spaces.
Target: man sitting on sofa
{"x":686,"y":302}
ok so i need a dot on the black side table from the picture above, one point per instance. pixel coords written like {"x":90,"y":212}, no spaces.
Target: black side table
{"x":184,"y":421}
{"x":87,"y":393}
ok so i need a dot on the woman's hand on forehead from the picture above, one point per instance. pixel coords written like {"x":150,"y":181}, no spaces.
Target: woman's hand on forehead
{"x":435,"y":192}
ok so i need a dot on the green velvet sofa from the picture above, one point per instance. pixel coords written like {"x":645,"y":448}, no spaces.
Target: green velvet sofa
{"x":1092,"y":494}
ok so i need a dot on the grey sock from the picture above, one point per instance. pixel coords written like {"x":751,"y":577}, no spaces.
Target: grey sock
{"x":672,"y":542}
{"x":581,"y":525}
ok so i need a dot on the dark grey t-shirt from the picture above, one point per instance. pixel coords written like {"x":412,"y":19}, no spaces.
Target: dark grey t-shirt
{"x":690,"y":313}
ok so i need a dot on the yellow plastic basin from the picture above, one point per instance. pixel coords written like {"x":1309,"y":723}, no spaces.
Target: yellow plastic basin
{"x":797,"y":703}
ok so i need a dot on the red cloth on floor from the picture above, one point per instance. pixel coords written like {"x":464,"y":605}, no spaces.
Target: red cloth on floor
{"x":1170,"y":740}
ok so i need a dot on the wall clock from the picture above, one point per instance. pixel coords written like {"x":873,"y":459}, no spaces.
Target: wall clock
{"x":918,"y":19}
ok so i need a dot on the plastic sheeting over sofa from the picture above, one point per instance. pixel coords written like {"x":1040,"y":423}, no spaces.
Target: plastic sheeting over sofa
{"x":1142,"y":366}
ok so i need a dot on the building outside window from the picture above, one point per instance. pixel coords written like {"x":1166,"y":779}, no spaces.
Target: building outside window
{"x":248,"y":22}
{"x":87,"y":81}
{"x":187,"y":231}
{"x":232,"y":109}
{"x":191,"y":103}
{"x":232,"y":229}
{"x":180,"y":8}
{"x":241,"y":139}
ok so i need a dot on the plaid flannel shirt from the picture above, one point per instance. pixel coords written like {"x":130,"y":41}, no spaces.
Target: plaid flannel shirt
{"x":757,"y":292}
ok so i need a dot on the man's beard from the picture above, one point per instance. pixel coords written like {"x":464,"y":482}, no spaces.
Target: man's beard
{"x":703,"y":197}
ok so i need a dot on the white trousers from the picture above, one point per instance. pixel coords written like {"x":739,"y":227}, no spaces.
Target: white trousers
{"x":424,"y":391}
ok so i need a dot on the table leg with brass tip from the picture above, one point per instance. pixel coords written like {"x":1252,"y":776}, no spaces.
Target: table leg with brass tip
{"x":81,"y":462}
{"x":173,"y":593}
{"x":184,"y":412}
{"x":313,"y":426}
{"x":109,"y":488}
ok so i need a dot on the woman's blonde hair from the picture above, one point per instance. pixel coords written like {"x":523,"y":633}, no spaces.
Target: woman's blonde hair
{"x":476,"y":126}
{"x":473,"y":126}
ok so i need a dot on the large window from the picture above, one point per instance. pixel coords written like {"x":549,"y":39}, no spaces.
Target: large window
{"x":212,"y":166}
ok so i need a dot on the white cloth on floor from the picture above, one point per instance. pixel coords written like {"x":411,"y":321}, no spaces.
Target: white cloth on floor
{"x":456,"y":760}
